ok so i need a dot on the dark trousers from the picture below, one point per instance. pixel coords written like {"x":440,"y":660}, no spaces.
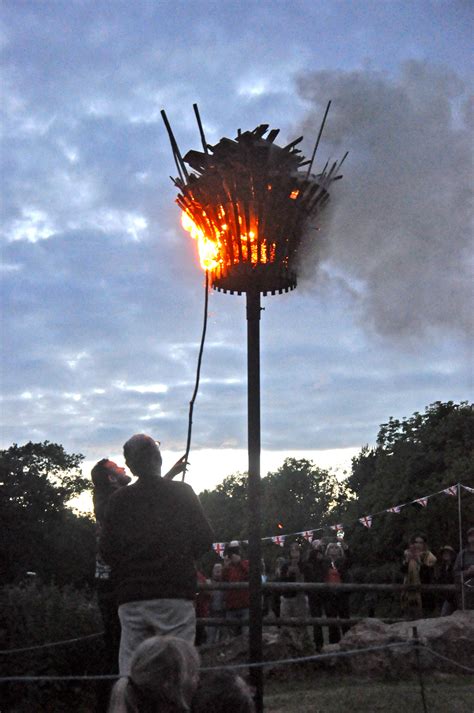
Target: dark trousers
{"x":316,"y":607}
{"x":201,"y":635}
{"x":275,"y":603}
{"x":337,"y":605}
{"x":111,"y":623}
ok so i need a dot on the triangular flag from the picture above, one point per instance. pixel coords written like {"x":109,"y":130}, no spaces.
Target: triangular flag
{"x":466,"y":487}
{"x":218,"y":548}
{"x":279,"y":540}
{"x":396,"y":508}
{"x":308,"y":535}
{"x":422,"y":501}
{"x":337,"y":527}
{"x":366,"y":521}
{"x":452,"y":490}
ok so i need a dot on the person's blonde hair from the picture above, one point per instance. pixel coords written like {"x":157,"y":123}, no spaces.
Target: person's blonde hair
{"x":164,"y":674}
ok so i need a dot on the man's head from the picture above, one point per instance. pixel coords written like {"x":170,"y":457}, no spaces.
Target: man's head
{"x":334,"y":550}
{"x":232,"y":551}
{"x":142,"y":455}
{"x":448,"y":554}
{"x":222,"y":691}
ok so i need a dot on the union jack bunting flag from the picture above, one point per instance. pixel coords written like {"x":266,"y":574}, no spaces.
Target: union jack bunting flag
{"x":218,"y":548}
{"x":366,"y":521}
{"x":422,"y":501}
{"x":337,"y":527}
{"x":279,"y":540}
{"x":308,"y":535}
{"x":452,"y":490}
{"x":396,"y":508}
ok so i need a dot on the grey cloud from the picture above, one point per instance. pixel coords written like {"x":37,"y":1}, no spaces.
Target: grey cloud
{"x":401,"y":216}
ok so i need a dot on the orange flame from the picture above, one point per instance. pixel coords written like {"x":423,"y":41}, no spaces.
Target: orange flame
{"x":212,"y":246}
{"x":208,"y":249}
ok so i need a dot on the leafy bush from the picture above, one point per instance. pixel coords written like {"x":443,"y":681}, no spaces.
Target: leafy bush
{"x":33,"y":614}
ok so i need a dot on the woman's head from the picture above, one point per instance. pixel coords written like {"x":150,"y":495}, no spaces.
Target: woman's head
{"x":295,"y":551}
{"x":279,"y":562}
{"x":419,"y":540}
{"x":164,"y":674}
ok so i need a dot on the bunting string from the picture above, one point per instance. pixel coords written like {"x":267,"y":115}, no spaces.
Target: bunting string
{"x":366,"y":520}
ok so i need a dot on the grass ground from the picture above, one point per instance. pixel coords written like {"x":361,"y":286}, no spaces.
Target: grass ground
{"x":447,"y":694}
{"x":322,"y":694}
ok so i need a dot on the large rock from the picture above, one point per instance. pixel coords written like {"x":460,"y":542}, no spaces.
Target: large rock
{"x":450,"y":636}
{"x":276,"y":646}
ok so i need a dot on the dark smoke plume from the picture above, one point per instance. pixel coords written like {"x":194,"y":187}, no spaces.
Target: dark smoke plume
{"x":401,"y":228}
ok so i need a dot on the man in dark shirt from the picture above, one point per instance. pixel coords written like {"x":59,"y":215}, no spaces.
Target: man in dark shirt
{"x":315,"y":570}
{"x":153,"y":531}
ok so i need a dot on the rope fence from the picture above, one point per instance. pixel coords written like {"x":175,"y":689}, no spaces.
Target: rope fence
{"x":325,"y":587}
{"x":50,"y":645}
{"x":413,"y":643}
{"x":446,"y":658}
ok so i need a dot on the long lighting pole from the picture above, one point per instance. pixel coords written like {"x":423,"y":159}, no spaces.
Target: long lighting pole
{"x":254,"y":491}
{"x":250,"y":200}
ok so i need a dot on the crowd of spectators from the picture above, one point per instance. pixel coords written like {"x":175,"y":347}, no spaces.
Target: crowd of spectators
{"x":330,"y":562}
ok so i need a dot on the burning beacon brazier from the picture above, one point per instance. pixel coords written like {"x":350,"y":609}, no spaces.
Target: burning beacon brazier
{"x":249,"y":204}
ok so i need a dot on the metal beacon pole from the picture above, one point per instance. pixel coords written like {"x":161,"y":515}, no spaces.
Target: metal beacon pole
{"x":463,"y":596}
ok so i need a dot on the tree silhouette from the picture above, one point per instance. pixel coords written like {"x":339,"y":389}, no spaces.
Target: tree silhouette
{"x":39,"y":532}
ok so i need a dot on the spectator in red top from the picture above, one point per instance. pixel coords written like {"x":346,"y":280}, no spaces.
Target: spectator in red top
{"x":236,"y":600}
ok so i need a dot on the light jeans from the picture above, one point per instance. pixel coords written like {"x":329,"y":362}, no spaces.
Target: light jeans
{"x":153,"y":617}
{"x":216,"y":634}
{"x":295,"y":608}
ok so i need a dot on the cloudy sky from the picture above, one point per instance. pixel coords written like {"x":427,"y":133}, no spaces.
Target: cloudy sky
{"x":101,"y":288}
